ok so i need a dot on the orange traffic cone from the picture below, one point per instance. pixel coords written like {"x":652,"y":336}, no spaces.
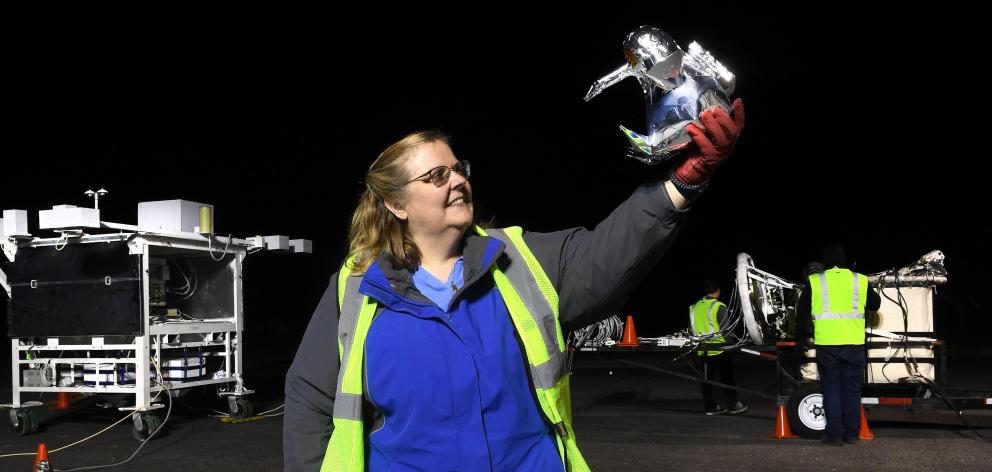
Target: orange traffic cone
{"x":41,"y":463}
{"x":629,"y":333}
{"x":65,"y":401}
{"x":865,"y":433}
{"x":782,"y":429}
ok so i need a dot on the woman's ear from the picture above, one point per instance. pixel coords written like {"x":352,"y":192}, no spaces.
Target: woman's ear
{"x":397,"y":210}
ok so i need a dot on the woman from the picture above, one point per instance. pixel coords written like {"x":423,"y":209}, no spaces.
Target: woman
{"x":450,"y":335}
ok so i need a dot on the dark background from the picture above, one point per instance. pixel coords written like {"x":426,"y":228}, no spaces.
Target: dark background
{"x":861,"y":130}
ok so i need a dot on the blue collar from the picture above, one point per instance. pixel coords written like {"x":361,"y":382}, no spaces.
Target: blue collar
{"x":395,"y":287}
{"x":437,"y":291}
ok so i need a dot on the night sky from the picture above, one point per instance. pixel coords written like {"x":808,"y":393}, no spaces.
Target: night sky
{"x":868,"y":132}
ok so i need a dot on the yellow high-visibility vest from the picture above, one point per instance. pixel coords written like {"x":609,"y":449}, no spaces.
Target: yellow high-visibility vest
{"x":703,"y":320}
{"x":838,"y":299}
{"x":533,"y":305}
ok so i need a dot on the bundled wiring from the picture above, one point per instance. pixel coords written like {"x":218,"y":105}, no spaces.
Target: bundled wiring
{"x":210,"y":247}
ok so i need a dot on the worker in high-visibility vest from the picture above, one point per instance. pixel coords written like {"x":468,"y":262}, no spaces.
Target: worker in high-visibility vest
{"x":706,"y":318}
{"x":440,"y":343}
{"x":837,"y":300}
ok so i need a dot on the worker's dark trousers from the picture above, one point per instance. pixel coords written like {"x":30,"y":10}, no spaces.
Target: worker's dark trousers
{"x":842,"y":371}
{"x":711,"y":366}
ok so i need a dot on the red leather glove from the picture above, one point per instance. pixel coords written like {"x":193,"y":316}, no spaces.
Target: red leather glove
{"x":714,"y":144}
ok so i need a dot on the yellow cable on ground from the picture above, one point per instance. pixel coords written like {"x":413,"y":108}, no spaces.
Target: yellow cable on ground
{"x":70,"y":445}
{"x":242,"y":420}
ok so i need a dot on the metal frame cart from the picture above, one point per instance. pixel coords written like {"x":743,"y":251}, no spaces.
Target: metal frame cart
{"x":126,"y":314}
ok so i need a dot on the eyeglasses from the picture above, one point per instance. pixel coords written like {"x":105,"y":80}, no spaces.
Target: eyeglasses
{"x":439,"y":175}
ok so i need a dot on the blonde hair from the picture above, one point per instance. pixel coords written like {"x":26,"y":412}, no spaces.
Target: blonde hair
{"x":374,"y":229}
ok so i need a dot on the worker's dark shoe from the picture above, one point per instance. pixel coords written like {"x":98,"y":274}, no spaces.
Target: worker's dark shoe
{"x":851,"y":440}
{"x":718,"y":411}
{"x":832,"y":442}
{"x":738,"y":408}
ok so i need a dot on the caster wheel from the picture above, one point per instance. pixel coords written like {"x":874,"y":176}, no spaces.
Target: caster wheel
{"x":145,"y":425}
{"x":23,"y":422}
{"x":240,"y":408}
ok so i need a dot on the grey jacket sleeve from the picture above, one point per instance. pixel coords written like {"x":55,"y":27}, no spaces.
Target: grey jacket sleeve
{"x":804,"y":317}
{"x":310,"y":386}
{"x":874,"y":301}
{"x":595,"y":271}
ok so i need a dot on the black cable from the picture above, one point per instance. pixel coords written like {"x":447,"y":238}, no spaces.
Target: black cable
{"x":700,"y":380}
{"x":943,"y":395}
{"x":905,"y":318}
{"x":904,"y":340}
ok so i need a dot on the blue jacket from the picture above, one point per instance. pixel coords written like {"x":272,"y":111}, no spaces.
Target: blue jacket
{"x":450,"y":390}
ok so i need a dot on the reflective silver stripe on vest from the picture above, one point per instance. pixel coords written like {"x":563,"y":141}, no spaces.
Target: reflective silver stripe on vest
{"x":838,"y":316}
{"x":824,"y":293}
{"x":857,"y":294}
{"x":548,"y":374}
{"x":351,"y":306}
{"x":348,"y":406}
{"x":709,"y":318}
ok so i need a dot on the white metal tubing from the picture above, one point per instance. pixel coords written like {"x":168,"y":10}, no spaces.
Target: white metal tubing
{"x":4,"y":284}
{"x":238,"y":311}
{"x":195,"y":327}
{"x":908,"y":279}
{"x":78,"y":347}
{"x":227,"y":356}
{"x":80,"y":360}
{"x":172,"y":384}
{"x":15,"y":385}
{"x":87,"y":389}
{"x":142,"y":395}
